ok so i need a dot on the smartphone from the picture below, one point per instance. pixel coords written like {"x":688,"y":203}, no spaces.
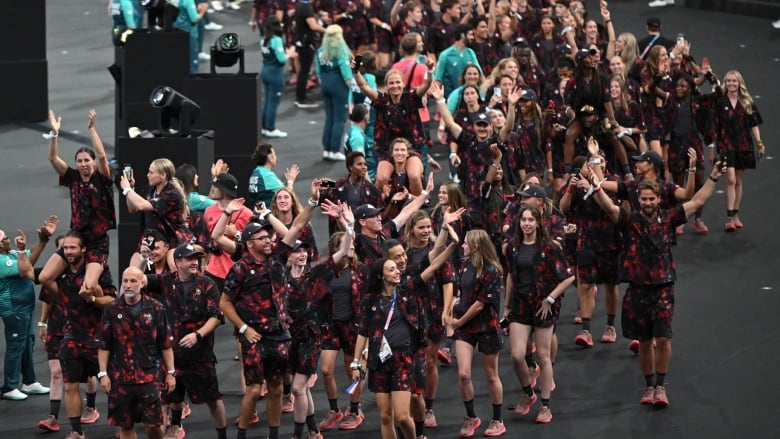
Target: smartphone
{"x":723,"y":159}
{"x":504,"y":323}
{"x":680,"y":39}
{"x":128,"y":171}
{"x":358,"y":63}
{"x":328,"y":183}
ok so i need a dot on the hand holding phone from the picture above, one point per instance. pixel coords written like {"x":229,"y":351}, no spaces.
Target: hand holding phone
{"x":357,"y":63}
{"x":128,"y":171}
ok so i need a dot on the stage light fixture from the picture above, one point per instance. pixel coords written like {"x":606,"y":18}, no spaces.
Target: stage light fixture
{"x":177,"y":112}
{"x":226,"y":52}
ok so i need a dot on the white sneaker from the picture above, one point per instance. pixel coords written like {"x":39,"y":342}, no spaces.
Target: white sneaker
{"x":338,"y":156}
{"x":454,"y":178}
{"x":217,"y":5}
{"x":277,"y":134}
{"x":660,"y":3}
{"x":326,"y":155}
{"x":234,"y":5}
{"x":35,"y":389}
{"x":776,"y":24}
{"x":213,"y":26}
{"x":14,"y":395}
{"x":306,"y":104}
{"x":203,"y":56}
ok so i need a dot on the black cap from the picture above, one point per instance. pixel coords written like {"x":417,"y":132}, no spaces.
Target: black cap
{"x":520,"y":42}
{"x":654,"y":22}
{"x":186,"y":251}
{"x":300,"y":244}
{"x":652,"y":157}
{"x":227,"y":184}
{"x":528,"y":95}
{"x":480,"y":118}
{"x":533,"y":190}
{"x":587,"y":109}
{"x":583,"y":53}
{"x":367,"y":211}
{"x":253,"y":228}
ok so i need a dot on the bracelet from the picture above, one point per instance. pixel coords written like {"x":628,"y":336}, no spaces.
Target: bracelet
{"x":567,"y":190}
{"x":313,"y":202}
{"x":441,"y":101}
{"x":354,"y":365}
{"x":713,"y":179}
{"x":453,"y":154}
{"x":691,"y":170}
{"x":424,"y":193}
{"x":243,"y":328}
{"x":43,"y":325}
{"x":101,"y":374}
{"x":549,"y":300}
{"x":51,"y":135}
{"x":227,"y":213}
{"x":126,"y":191}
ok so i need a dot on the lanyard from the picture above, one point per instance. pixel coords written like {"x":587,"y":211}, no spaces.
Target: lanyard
{"x":390,"y":313}
{"x":649,"y":46}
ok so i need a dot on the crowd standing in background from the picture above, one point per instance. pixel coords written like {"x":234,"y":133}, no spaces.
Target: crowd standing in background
{"x":576,"y":155}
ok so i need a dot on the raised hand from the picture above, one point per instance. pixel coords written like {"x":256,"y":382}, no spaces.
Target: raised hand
{"x":55,"y":122}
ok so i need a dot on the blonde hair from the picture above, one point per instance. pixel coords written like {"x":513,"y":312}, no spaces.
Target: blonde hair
{"x":745,"y":100}
{"x":482,"y":250}
{"x":631,"y":51}
{"x":165,"y":166}
{"x":333,"y":45}
{"x":414,"y":218}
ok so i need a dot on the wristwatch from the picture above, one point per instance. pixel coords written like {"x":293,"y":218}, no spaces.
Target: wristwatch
{"x":101,"y":374}
{"x":172,"y":372}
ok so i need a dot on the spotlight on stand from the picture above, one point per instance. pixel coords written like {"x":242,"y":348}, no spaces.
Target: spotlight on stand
{"x":226,"y":51}
{"x":177,"y":112}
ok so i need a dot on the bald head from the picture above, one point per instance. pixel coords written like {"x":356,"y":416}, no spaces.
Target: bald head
{"x":133,"y":280}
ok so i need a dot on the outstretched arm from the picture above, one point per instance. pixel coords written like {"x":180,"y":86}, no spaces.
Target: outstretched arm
{"x":56,"y":161}
{"x":100,"y":151}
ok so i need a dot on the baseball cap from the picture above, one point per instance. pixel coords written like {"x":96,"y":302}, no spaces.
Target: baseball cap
{"x":652,"y":157}
{"x":528,"y":95}
{"x":253,"y":228}
{"x":587,"y":109}
{"x":520,"y":42}
{"x":300,"y":244}
{"x":186,"y":251}
{"x":227,"y":184}
{"x":654,"y":22}
{"x":480,"y":118}
{"x":367,"y":211}
{"x":533,"y":190}
{"x":582,"y":53}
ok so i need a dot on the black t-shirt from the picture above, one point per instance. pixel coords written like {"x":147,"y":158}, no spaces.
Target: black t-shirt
{"x":341,"y":290}
{"x":303,"y":33}
{"x":399,"y":333}
{"x":523,"y":271}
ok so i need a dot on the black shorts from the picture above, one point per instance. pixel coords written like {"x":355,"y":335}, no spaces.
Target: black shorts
{"x":265,"y":360}
{"x":597,"y":267}
{"x":129,"y":404}
{"x":647,"y":312}
{"x":305,"y":353}
{"x":436,"y":330}
{"x":525,"y":307}
{"x":740,"y":159}
{"x":78,"y":362}
{"x":52,"y":344}
{"x":394,"y":375}
{"x":487,"y":342}
{"x":198,"y":380}
{"x":340,"y":335}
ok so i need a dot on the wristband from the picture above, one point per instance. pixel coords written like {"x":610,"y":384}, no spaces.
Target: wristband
{"x":243,"y":328}
{"x":126,"y":191}
{"x":453,"y":154}
{"x":441,"y":101}
{"x":42,"y":325}
{"x":549,"y":300}
{"x":102,"y":374}
{"x":691,"y":170}
{"x":290,"y":182}
{"x":713,"y":179}
{"x":52,"y":135}
{"x":227,"y":213}
{"x":441,"y":128}
{"x":354,"y":365}
{"x":424,"y":193}
{"x":567,"y":190}
{"x":313,"y":202}
{"x":172,"y":372}
{"x":199,"y":337}
{"x":550,"y":170}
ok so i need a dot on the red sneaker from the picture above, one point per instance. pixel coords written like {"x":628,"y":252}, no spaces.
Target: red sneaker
{"x":351,"y":420}
{"x":185,"y":411}
{"x":730,"y":225}
{"x":609,"y":335}
{"x":469,"y":426}
{"x":524,"y":406}
{"x":49,"y":424}
{"x":634,"y":347}
{"x":544,"y":416}
{"x":680,"y":229}
{"x":288,"y":403}
{"x":584,"y":339}
{"x":312,"y":380}
{"x":700,"y":227}
{"x":535,"y":375}
{"x":647,"y":396}
{"x":90,"y":415}
{"x":331,"y":420}
{"x":443,"y":355}
{"x":659,"y":398}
